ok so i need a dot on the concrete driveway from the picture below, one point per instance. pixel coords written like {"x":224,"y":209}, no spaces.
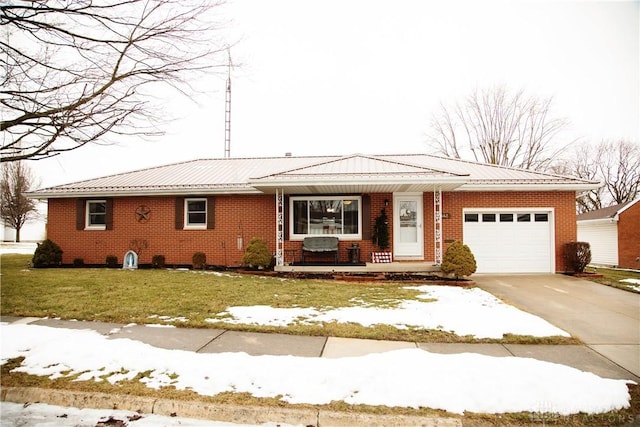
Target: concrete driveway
{"x":606,"y":319}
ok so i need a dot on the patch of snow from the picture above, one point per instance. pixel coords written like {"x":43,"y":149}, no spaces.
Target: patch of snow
{"x":463,"y":311}
{"x":406,"y":378}
{"x":18,"y":248}
{"x":169,"y":319}
{"x":42,"y":415}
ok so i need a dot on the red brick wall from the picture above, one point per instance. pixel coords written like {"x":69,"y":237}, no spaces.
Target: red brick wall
{"x":247,"y":216}
{"x":236,"y":216}
{"x":629,"y":237}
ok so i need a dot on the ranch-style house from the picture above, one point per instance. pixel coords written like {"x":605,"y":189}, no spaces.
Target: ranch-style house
{"x":514,"y":221}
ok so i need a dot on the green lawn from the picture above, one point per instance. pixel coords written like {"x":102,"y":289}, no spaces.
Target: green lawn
{"x":134,"y":296}
{"x":126,"y":296}
{"x":612,"y":277}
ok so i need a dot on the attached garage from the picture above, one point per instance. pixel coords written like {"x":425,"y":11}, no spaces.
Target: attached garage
{"x":510,"y":241}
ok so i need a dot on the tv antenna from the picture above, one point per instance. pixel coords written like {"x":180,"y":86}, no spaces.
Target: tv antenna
{"x":227,"y":110}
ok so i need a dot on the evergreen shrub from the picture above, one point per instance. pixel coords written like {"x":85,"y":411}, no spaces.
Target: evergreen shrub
{"x":458,"y":260}
{"x":257,"y":253}
{"x":47,"y":254}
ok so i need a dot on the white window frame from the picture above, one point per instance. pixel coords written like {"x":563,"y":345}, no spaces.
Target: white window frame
{"x":195,"y":226}
{"x":293,"y":236}
{"x":87,"y":217}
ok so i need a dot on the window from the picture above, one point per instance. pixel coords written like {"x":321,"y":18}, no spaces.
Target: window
{"x":541,"y":217}
{"x":489,"y":217}
{"x":524,"y":217}
{"x":471,"y":217}
{"x":325,"y":215}
{"x":96,"y":216}
{"x":195,"y":213}
{"x":506,"y":217}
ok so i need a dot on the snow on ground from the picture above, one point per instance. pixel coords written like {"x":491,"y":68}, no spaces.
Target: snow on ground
{"x":406,"y":378}
{"x":18,"y":248}
{"x":15,"y":414}
{"x":463,"y":311}
{"x":633,"y":284}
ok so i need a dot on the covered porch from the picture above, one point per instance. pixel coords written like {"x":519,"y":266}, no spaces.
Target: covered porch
{"x":315,"y":200}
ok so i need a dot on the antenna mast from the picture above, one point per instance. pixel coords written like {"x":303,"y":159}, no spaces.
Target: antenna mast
{"x":227,"y":111}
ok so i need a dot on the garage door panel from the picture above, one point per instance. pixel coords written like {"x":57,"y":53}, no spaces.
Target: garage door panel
{"x":510,"y":247}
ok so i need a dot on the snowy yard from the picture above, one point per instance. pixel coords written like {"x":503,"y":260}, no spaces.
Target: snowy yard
{"x":405,"y":378}
{"x":463,"y":311}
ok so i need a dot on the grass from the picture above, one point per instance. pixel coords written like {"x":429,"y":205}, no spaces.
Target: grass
{"x":125,"y":296}
{"x":612,"y":277}
{"x":139,"y":296}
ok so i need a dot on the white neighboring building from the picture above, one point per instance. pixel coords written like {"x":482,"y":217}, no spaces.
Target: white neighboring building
{"x":34,"y":230}
{"x":613,"y":233}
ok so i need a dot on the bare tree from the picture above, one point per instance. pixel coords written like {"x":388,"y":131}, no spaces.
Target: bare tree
{"x":74,"y":71}
{"x":499,"y":127}
{"x":619,"y":166}
{"x":615,"y":163}
{"x":15,"y":208}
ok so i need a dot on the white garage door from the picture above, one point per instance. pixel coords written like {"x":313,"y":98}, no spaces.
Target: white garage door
{"x":510,"y":241}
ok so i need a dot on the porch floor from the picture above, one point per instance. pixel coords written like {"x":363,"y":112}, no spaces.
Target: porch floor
{"x":369,"y":267}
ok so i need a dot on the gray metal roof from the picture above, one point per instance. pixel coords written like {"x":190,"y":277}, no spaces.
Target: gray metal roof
{"x":316,"y":174}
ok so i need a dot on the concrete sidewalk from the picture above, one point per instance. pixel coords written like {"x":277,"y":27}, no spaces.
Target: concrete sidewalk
{"x":253,"y":343}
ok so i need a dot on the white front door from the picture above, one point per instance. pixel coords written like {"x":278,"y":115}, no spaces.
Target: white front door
{"x":408,"y":234}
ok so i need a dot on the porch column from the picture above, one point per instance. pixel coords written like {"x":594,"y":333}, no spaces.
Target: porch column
{"x":437,"y":224}
{"x":279,"y":228}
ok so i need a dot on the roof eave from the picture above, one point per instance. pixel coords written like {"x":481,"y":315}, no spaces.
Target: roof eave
{"x":607,"y":220}
{"x":41,"y":195}
{"x":527,"y":187}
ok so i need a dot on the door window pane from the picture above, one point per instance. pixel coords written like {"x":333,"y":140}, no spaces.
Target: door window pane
{"x":506,"y":217}
{"x":471,"y":217}
{"x":489,"y":217}
{"x":408,"y":221}
{"x":542,"y":217}
{"x":524,"y":217}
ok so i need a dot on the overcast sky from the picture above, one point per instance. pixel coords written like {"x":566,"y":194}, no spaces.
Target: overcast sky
{"x":365,"y":76}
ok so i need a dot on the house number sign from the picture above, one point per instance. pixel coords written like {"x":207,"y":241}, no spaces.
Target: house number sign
{"x":143,"y":213}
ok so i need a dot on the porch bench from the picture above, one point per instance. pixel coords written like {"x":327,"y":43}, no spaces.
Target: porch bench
{"x":320,"y":245}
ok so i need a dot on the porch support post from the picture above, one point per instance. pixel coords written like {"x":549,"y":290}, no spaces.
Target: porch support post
{"x":279,"y":227}
{"x":437,"y":224}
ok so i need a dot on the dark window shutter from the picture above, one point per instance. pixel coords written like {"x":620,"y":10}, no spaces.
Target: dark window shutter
{"x":366,"y":217}
{"x":179,"y":213}
{"x":287,"y":217}
{"x":108,"y":218}
{"x":80,"y":214}
{"x":211,"y":213}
